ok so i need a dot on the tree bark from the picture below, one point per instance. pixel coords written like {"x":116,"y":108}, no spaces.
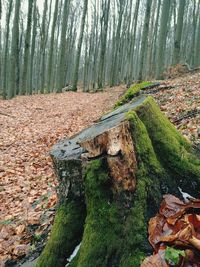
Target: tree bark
{"x":51,"y":50}
{"x":145,"y":35}
{"x":6,"y":50}
{"x":162,"y":39}
{"x":80,"y":41}
{"x":24,"y":85}
{"x":120,"y":167}
{"x":61,"y":63}
{"x":14,"y":59}
{"x":178,"y":32}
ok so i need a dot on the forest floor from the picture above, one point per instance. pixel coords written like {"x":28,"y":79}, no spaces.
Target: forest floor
{"x":30,"y":125}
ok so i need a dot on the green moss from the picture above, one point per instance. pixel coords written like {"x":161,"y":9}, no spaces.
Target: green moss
{"x":172,"y":149}
{"x":148,"y":163}
{"x":135,"y":229}
{"x":66,"y":234}
{"x":102,"y":227}
{"x":113,"y":235}
{"x":131,"y":93}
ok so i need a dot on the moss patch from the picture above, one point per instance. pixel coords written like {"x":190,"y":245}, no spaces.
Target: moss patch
{"x":66,"y":234}
{"x":114,"y":236}
{"x":131,"y":93}
{"x":102,"y":227}
{"x":173,"y":151}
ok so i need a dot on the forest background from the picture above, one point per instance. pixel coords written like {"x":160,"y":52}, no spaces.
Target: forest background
{"x":49,"y":45}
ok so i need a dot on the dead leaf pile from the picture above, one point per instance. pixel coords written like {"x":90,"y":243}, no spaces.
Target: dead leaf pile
{"x":29,"y":126}
{"x":176,"y":225}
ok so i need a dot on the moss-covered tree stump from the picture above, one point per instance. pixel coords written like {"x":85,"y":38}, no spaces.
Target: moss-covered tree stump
{"x":115,"y":174}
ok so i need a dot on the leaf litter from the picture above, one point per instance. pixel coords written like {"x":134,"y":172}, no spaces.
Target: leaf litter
{"x":181,"y":105}
{"x":30,"y":125}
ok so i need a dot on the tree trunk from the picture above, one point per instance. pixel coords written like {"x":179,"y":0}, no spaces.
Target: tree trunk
{"x":61,"y":64}
{"x":51,"y":50}
{"x":6,"y":49}
{"x":144,"y":39}
{"x":162,"y":39}
{"x":178,"y":32}
{"x":33,"y":43}
{"x":80,"y":41}
{"x":14,"y":59}
{"x":120,"y":167}
{"x":104,"y":33}
{"x":43,"y":47}
{"x":24,"y":88}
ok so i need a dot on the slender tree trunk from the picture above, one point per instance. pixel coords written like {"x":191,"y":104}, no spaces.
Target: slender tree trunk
{"x":61,"y":64}
{"x":132,"y":45}
{"x":34,"y":33}
{"x":80,"y":41}
{"x":5,"y":60}
{"x":155,"y":41}
{"x":43,"y":47}
{"x":144,"y":39}
{"x":14,"y":52}
{"x":117,"y":44}
{"x":162,"y":39}
{"x":194,"y":27}
{"x":51,"y":49}
{"x":104,"y":32}
{"x":178,"y":33}
{"x":197,"y":46}
{"x":24,"y":84}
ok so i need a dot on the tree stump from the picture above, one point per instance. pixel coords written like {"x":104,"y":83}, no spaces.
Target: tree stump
{"x":111,"y":180}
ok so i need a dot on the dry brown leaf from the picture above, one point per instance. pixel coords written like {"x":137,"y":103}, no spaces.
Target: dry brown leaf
{"x":156,"y":260}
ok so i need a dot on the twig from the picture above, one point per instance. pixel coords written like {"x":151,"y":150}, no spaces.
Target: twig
{"x":160,"y":88}
{"x":5,"y":114}
{"x":192,"y":113}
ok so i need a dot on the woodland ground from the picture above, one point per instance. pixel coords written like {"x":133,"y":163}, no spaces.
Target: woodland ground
{"x":30,"y":125}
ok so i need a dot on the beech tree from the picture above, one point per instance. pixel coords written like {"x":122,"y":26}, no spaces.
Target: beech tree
{"x":178,"y":33}
{"x":14,"y":59}
{"x":61,"y":63}
{"x":104,"y":31}
{"x":51,"y":52}
{"x":101,"y":43}
{"x":144,"y":38}
{"x":77,"y":60}
{"x":5,"y":59}
{"x":24,"y":88}
{"x":162,"y":38}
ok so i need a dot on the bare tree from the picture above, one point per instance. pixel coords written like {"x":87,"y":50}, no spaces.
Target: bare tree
{"x":80,"y":41}
{"x":24,"y":88}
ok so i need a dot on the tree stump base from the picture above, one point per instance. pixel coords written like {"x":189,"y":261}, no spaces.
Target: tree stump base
{"x":113,"y":176}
